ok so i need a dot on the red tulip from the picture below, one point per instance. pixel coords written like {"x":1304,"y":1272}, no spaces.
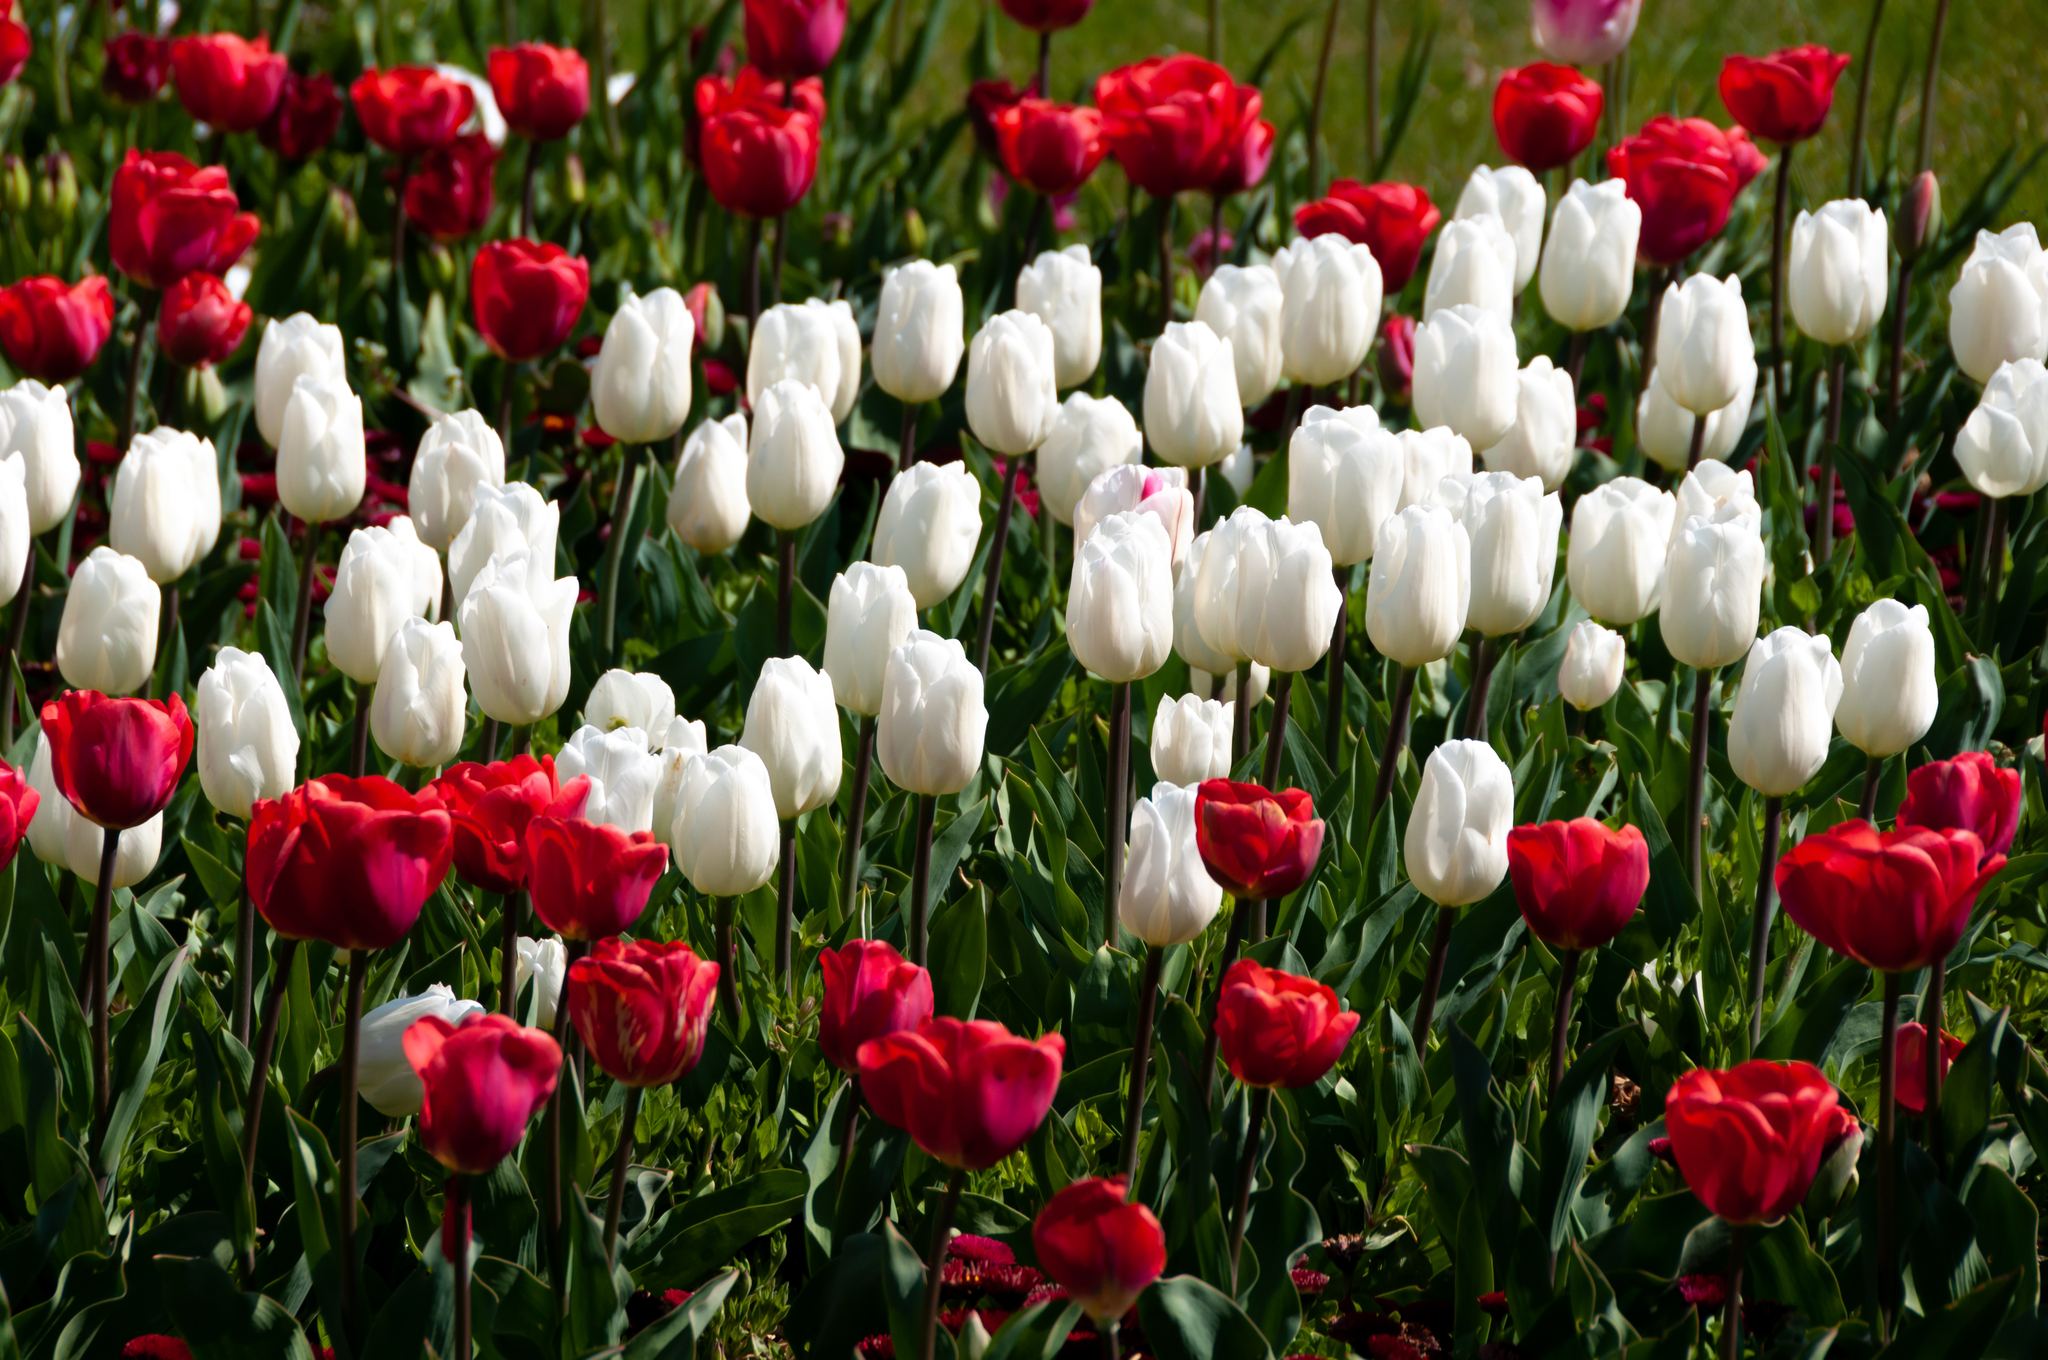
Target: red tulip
{"x":986,"y":100}
{"x":1396,"y":361}
{"x":18,"y":804}
{"x":1391,"y":220}
{"x":791,"y":39}
{"x":167,"y":217}
{"x":1785,"y":97}
{"x":1969,"y":792}
{"x":449,"y":196}
{"x":870,"y":990}
{"x":1545,"y":114}
{"x":543,"y":91}
{"x":201,"y":321}
{"x":484,"y":1079}
{"x":226,"y":80}
{"x":1102,"y":1249}
{"x":590,"y":879}
{"x":642,"y":1009}
{"x":1576,"y":882}
{"x":1247,"y":150}
{"x":1169,"y":121}
{"x":1748,"y":1140}
{"x":492,"y":804}
{"x":52,"y":330}
{"x":1909,"y":1064}
{"x":1256,"y":843}
{"x":967,"y":1091}
{"x":527,"y":296}
{"x":1047,"y":16}
{"x":15,"y":44}
{"x":411,"y":110}
{"x":759,"y":158}
{"x":347,"y":861}
{"x":1895,"y":901}
{"x":137,"y":65}
{"x":1274,"y":1029}
{"x":117,"y":760}
{"x":1049,"y":148}
{"x":1684,"y":174}
{"x":306,"y":118}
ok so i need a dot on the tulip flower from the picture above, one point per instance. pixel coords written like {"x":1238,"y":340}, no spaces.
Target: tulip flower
{"x":1257,"y":844}
{"x":1047,"y":16}
{"x":1713,"y":590}
{"x":117,"y":761}
{"x":1190,"y":740}
{"x":1588,"y":270}
{"x":410,"y":110}
{"x":1188,"y":600}
{"x":1749,"y":1140}
{"x":1192,"y":412}
{"x":1090,"y":436}
{"x":62,"y":838}
{"x":929,"y":525}
{"x":590,"y":879}
{"x":1705,"y":354}
{"x":1894,"y":901}
{"x":1784,"y":97}
{"x":1709,"y":489}
{"x":1050,"y":149}
{"x":814,"y":343}
{"x":724,"y":832}
{"x":1012,"y":396}
{"x":1243,"y":306}
{"x":1620,"y":536}
{"x":791,"y":39}
{"x":321,"y":453}
{"x":247,"y":746}
{"x":1344,"y":475}
{"x":1466,"y":375}
{"x":305,"y":118}
{"x":642,"y":1009}
{"x":1838,"y":271}
{"x":106,"y":638}
{"x":167,"y":217}
{"x":136,"y":66}
{"x":450,"y":195}
{"x":870,"y":614}
{"x":758,"y":156}
{"x":793,"y":727}
{"x":1578,"y":883}
{"x":165,"y":506}
{"x":1102,"y":1249}
{"x":458,"y":454}
{"x":1126,"y":488}
{"x":1889,"y":690}
{"x":707,"y":502}
{"x":52,"y":330}
{"x":388,"y":1081}
{"x":1778,"y":733}
{"x":920,"y":332}
{"x":491,"y":805}
{"x":543,"y":91}
{"x":526,"y":296}
{"x":421,"y":706}
{"x":1911,"y":1059}
{"x":1331,"y":286}
{"x":1474,"y":266}
{"x":1420,"y":590}
{"x":294,"y":347}
{"x":622,"y":699}
{"x":505,"y":519}
{"x":200,"y":322}
{"x":969,"y":1093}
{"x":1998,"y":309}
{"x":1516,"y":198}
{"x":19,"y":801}
{"x":1542,"y":443}
{"x":1684,"y":174}
{"x":1584,"y":32}
{"x":1063,"y":288}
{"x":544,"y":963}
{"x":1968,"y":793}
{"x":1594,"y":658}
{"x":1392,"y":220}
{"x":2003,"y":446}
{"x":1545,"y":114}
{"x":1664,"y":429}
{"x":622,"y":771}
{"x":1167,"y":895}
{"x":1168,"y":121}
{"x":929,"y":738}
{"x":483,"y":1081}
{"x":1278,"y":1031}
{"x":1455,"y":848}
{"x":226,"y":81}
{"x":515,"y":639}
{"x":794,"y":460}
{"x":347,"y":861}
{"x":870,"y":991}
{"x":372,"y":599}
{"x":1511,"y":526}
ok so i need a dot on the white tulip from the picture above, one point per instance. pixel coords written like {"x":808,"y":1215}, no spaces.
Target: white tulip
{"x":1456,"y":847}
{"x":165,"y":505}
{"x":929,"y":525}
{"x":1330,"y":308}
{"x":640,"y":384}
{"x":106,"y":639}
{"x":1889,"y":693}
{"x":1120,"y":600}
{"x":1711,"y":488}
{"x":726,"y":837}
{"x":246,"y":746}
{"x":1998,"y":310}
{"x":1427,"y":457}
{"x":2003,"y":446}
{"x":1192,"y":415}
{"x":458,"y":454}
{"x":1287,"y":597}
{"x":1089,"y":436}
{"x":1466,"y":376}
{"x":1620,"y":536}
{"x":1664,"y":428}
{"x":1784,"y":711}
{"x":1593,"y":661}
{"x":707,"y":503}
{"x":1011,"y":393}
{"x":503,"y":520}
{"x":1161,"y":493}
{"x":35,"y":422}
{"x":794,"y":461}
{"x":1516,"y":197}
{"x":1713,"y":589}
{"x":920,"y":331}
{"x":793,"y":726}
{"x":548,"y":961}
{"x":1589,"y":263}
{"x":622,"y":773}
{"x":870,"y":615}
{"x":1256,"y":680}
{"x":426,"y":567}
{"x":1345,"y":476}
{"x":1837,"y":270}
{"x":1237,"y":469}
{"x":623,"y":698}
{"x":1544,"y":439}
{"x":383,"y":1076}
{"x":295,"y":347}
{"x":1190,"y":740}
{"x":421,"y":705}
{"x":1705,"y":351}
{"x":1167,"y":896}
{"x":373,"y":597}
{"x":1216,"y":592}
{"x":515,"y":640}
{"x":1243,"y":306}
{"x":1512,"y":529}
{"x":1188,"y":641}
{"x":1420,"y":590}
{"x":1474,"y":266}
{"x":322,"y":462}
{"x":682,"y":740}
{"x":1063,"y":288}
{"x":929,"y":738}
{"x":17,"y":540}
{"x":814,"y":343}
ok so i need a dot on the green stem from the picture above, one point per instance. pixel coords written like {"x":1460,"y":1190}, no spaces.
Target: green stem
{"x":1247,"y":1174}
{"x":935,"y":1263}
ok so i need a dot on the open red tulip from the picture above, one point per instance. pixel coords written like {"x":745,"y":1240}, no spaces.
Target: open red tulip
{"x":1749,"y":1140}
{"x":1968,"y":792}
{"x":642,"y":1008}
{"x":1390,"y":220}
{"x":167,"y":217}
{"x":527,"y":296}
{"x":1545,"y":114}
{"x":347,"y":861}
{"x":1894,"y":901}
{"x":1256,"y":843}
{"x":1577,"y":882}
{"x":227,"y":81}
{"x":1104,"y":1250}
{"x":117,"y":760}
{"x":1784,"y":97}
{"x":484,"y":1080}
{"x":492,"y":804}
{"x":1275,"y":1029}
{"x":543,"y":91}
{"x":590,"y":879}
{"x":870,"y":990}
{"x":411,"y":110}
{"x":52,"y":330}
{"x":967,"y":1091}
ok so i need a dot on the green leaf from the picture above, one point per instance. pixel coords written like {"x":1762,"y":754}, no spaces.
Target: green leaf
{"x":136,"y":1053}
{"x":1022,"y":694}
{"x":903,"y":1285}
{"x":696,"y":1239}
{"x":1568,"y":1131}
{"x":1187,"y":1319}
{"x":675,"y":1336}
{"x":72,"y":1038}
{"x":218,"y":1320}
{"x":597,"y":1292}
{"x":1960,"y":1331}
{"x":958,"y":955}
{"x":1787,"y":1270}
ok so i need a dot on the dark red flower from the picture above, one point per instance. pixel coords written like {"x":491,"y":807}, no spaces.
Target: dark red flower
{"x":1894,"y":901}
{"x":1909,"y":1064}
{"x":1275,"y":1029}
{"x":1784,"y":97}
{"x":968,"y":1092}
{"x":1169,"y":121}
{"x":790,"y":39}
{"x":1577,"y":882}
{"x":117,"y":760}
{"x":18,"y":804}
{"x":156,"y":1347}
{"x":986,"y":99}
{"x":1969,"y":792}
{"x":306,"y":118}
{"x":167,"y":217}
{"x":1396,"y":362}
{"x":227,"y":81}
{"x":484,"y":1080}
{"x":1684,"y":174}
{"x":590,"y":879}
{"x":53,"y":330}
{"x":1047,"y":16}
{"x":1049,"y":148}
{"x":347,"y":861}
{"x":492,"y":804}
{"x":1103,"y":1248}
{"x":449,"y":196}
{"x":411,"y":110}
{"x":527,"y":296}
{"x":1256,"y":843}
{"x":642,"y":1008}
{"x":543,"y":91}
{"x":870,"y":990}
{"x":1749,"y":1140}
{"x":201,"y":322}
{"x":1704,"y":1292}
{"x":1545,"y":114}
{"x":15,"y":44}
{"x":1391,"y":220}
{"x":759,"y":157}
{"x":136,"y":66}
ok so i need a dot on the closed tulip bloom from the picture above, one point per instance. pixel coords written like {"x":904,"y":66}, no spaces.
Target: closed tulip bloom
{"x":1909,"y":1064}
{"x":622,"y":773}
{"x":1466,"y":376}
{"x":1784,"y":711}
{"x":683,"y":740}
{"x":1542,"y":443}
{"x":1286,"y":585}
{"x":707,"y":503}
{"x":450,"y":195}
{"x":815,"y":343}
{"x":1102,"y":1249}
{"x":920,"y":331}
{"x":1474,"y":266}
{"x":1242,"y":305}
{"x":1159,"y":493}
{"x":248,"y":748}
{"x":1049,"y":148}
{"x":793,"y":726}
{"x":296,"y":346}
{"x":968,"y":1092}
{"x":759,"y":158}
{"x":1749,"y":1140}
{"x":870,"y":991}
{"x":18,"y":804}
{"x":590,"y":879}
{"x":1089,"y":436}
{"x":483,"y":1082}
{"x":1190,"y":740}
{"x":165,"y":505}
{"x":929,"y":525}
{"x":545,"y":963}
{"x":1344,"y":475}
{"x":505,"y":519}
{"x":1968,"y":793}
{"x":515,"y":640}
{"x":457,"y":454}
{"x":1583,"y":32}
{"x":1427,"y":457}
{"x":411,"y":110}
{"x":136,"y":65}
{"x":1578,"y":883}
{"x":1713,"y":589}
{"x":15,"y":538}
{"x":384,"y":1077}
{"x":640,"y":387}
{"x":1255,"y":842}
{"x":322,"y":467}
{"x":870,"y":614}
{"x":491,"y":805}
{"x":305,"y":119}
{"x":1838,"y":270}
{"x":794,"y":38}
{"x":1120,"y":600}
{"x":373,"y":597}
{"x":1456,"y":846}
{"x":106,"y":639}
{"x":421,"y":707}
{"x":933,"y":722}
{"x":725,"y":834}
{"x":1783,"y":97}
{"x":1888,"y":687}
{"x":1544,"y":115}
{"x":1515,"y":197}
{"x":1188,"y":640}
{"x":643,"y":1009}
{"x":61,"y":837}
{"x":794,"y":459}
{"x":1169,"y":121}
{"x":52,"y":330}
{"x":1712,"y":487}
{"x":347,"y":862}
{"x":1620,"y":537}
{"x":1063,"y":288}
{"x":1221,"y":582}
{"x":1420,"y":591}
{"x":1330,"y":307}
{"x":1589,"y":262}
{"x":1168,"y":896}
{"x":1705,"y":352}
{"x":1664,"y":428}
{"x":1594,"y":658}
{"x":542,"y":91}
{"x":199,"y":322}
{"x":1894,"y":901}
{"x":1685,"y":174}
{"x":117,"y":761}
{"x":2003,"y":446}
{"x":1047,"y":16}
{"x":1277,"y":1030}
{"x":167,"y":217}
{"x":525,"y":296}
{"x":1512,"y":528}
{"x":1998,"y":309}
{"x":1012,"y":396}
{"x":622,"y":699}
{"x":1192,"y":412}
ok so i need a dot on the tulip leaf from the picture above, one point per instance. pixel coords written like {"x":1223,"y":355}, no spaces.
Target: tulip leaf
{"x":1022,"y":694}
{"x":697,"y":1238}
{"x":1815,"y":1015}
{"x":1961,"y":1330}
{"x":71,"y":1038}
{"x":314,"y":1178}
{"x":959,"y":948}
{"x":1187,"y":1319}
{"x":1568,"y":1131}
{"x":1037,"y":1333}
{"x":1786,"y":1270}
{"x":675,"y":1336}
{"x":217,"y":1319}
{"x":277,"y":650}
{"x":596,"y":1291}
{"x":903,"y":1285}
{"x":2007,"y":1227}
{"x":1283,"y":1227}
{"x":136,"y":1052}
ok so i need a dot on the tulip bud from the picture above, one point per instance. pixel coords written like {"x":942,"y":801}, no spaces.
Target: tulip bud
{"x":1294,"y":593}
{"x":484,"y":1081}
{"x":247,"y":747}
{"x":1888,"y":686}
{"x":1427,"y":457}
{"x":929,"y":525}
{"x":457,"y":454}
{"x":932,"y":724}
{"x":1838,"y":269}
{"x":1161,"y":493}
{"x":1329,"y":310}
{"x":1474,"y":266}
{"x":1784,"y":711}
{"x":35,"y":422}
{"x":16,"y":541}
{"x":1713,"y":589}
{"x":1344,"y":475}
{"x":1395,"y":366}
{"x":321,"y":459}
{"x":1218,"y":580}
{"x":1167,"y":896}
{"x":295,"y":347}
{"x":515,"y":638}
{"x":545,"y":963}
{"x":682,"y":740}
{"x":1705,"y":352}
{"x":383,"y":1076}
{"x":1089,"y":437}
{"x":1593,"y":661}
{"x":1664,"y":428}
{"x":920,"y":331}
{"x":1583,"y":32}
{"x":56,"y":203}
{"x":622,"y":698}
{"x":1511,"y":526}
{"x":794,"y":727}
{"x":165,"y":505}
{"x":1243,"y":306}
{"x":1589,"y":263}
{"x":1188,"y":641}
{"x":107,"y":637}
{"x":1621,"y":534}
{"x":1420,"y":589}
{"x":503,"y":520}
{"x":1465,"y":375}
{"x":61,"y":837}
{"x":726,"y":837}
{"x":1919,"y":219}
{"x":1543,"y":441}
{"x":817,"y":344}
{"x":794,"y":461}
{"x":14,"y":185}
{"x":1192,"y":414}
{"x":420,"y":707}
{"x":707,"y":504}
{"x":1190,"y":740}
{"x":1275,"y":1029}
{"x":870,"y":614}
{"x":2003,"y":446}
{"x":1456,"y":846}
{"x":640,"y":386}
{"x":373,"y":597}
{"x":1120,"y":600}
{"x":1011,"y":395}
{"x":1998,"y":310}
{"x":1063,"y":288}
{"x":1516,"y":197}
{"x":1835,"y":1183}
